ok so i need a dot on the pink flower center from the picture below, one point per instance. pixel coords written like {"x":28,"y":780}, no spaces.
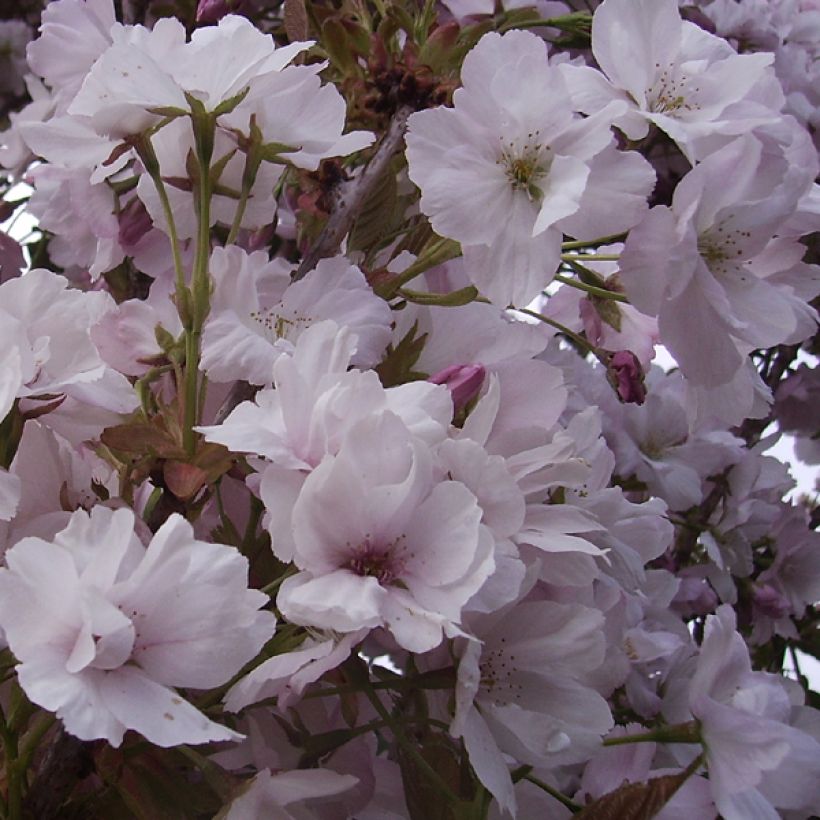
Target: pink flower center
{"x":377,"y":561}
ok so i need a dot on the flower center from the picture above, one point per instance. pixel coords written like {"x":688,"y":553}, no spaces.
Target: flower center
{"x":376,"y":561}
{"x":721,"y":247}
{"x":668,"y":96}
{"x":525,"y":165}
{"x":275,"y":325}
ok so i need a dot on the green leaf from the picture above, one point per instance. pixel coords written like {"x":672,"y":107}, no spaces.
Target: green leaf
{"x":454,"y":299}
{"x":397,"y":365}
{"x":608,"y":311}
{"x":337,"y":44}
{"x":270,"y":151}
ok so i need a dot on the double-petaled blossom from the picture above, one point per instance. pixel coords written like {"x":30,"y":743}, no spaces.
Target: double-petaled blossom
{"x":381,"y":539}
{"x":103,"y":627}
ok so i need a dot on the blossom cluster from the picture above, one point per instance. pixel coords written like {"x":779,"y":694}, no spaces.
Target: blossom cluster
{"x":330,"y":438}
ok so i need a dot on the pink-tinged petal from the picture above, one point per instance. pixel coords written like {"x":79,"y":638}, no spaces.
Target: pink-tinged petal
{"x":9,"y":495}
{"x":156,"y":712}
{"x":415,"y":628}
{"x":279,"y":490}
{"x":442,"y":537}
{"x":487,"y":761}
{"x":589,"y":88}
{"x":273,"y":676}
{"x":633,"y":39}
{"x":73,"y":34}
{"x":739,"y":747}
{"x":562,"y":190}
{"x":124,"y":83}
{"x":724,"y":659}
{"x":651,"y":251}
{"x":615,"y":196}
{"x":515,"y":269}
{"x":340,"y":600}
{"x":268,"y":794}
{"x":75,"y":698}
{"x":695,"y":328}
{"x":747,"y":805}
{"x":231,"y":350}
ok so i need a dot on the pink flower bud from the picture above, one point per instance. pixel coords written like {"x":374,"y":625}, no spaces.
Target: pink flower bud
{"x":769,"y":601}
{"x":212,"y":11}
{"x":626,"y":375}
{"x":695,"y":597}
{"x":134,"y":223}
{"x":463,"y":380}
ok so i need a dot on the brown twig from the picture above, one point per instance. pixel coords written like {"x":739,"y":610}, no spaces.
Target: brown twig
{"x":353,"y":193}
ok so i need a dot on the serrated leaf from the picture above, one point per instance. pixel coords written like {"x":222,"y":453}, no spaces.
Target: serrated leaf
{"x":397,"y":365}
{"x":635,"y":801}
{"x":140,"y":439}
{"x":438,"y":51}
{"x":401,"y":17}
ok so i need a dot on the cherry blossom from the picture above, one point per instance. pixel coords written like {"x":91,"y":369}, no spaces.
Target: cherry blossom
{"x":121,"y":631}
{"x":498,"y":173}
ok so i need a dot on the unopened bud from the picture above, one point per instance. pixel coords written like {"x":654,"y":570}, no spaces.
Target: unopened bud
{"x":212,"y":11}
{"x":769,"y":601}
{"x":626,"y":375}
{"x":463,"y":380}
{"x":135,"y":222}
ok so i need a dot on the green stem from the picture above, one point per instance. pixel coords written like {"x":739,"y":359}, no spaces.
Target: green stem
{"x":190,"y":399}
{"x":204,"y":126}
{"x":399,"y":683}
{"x":14,"y":798}
{"x":33,"y":738}
{"x":362,"y":678}
{"x":591,"y":289}
{"x":579,"y":340}
{"x":270,"y":589}
{"x":252,"y":162}
{"x":678,"y":733}
{"x":436,"y":253}
{"x":561,"y":798}
{"x":590,"y":257}
{"x":593,"y":243}
{"x":539,"y":22}
{"x":146,"y":153}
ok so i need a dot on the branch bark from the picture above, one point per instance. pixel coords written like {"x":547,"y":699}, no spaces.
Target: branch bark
{"x":352,"y":194}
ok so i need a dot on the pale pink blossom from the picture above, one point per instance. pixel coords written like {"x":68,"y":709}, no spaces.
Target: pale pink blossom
{"x":257,"y":314}
{"x":104,"y":627}
{"x":672,"y":74}
{"x":381,"y":541}
{"x":501,"y":169}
